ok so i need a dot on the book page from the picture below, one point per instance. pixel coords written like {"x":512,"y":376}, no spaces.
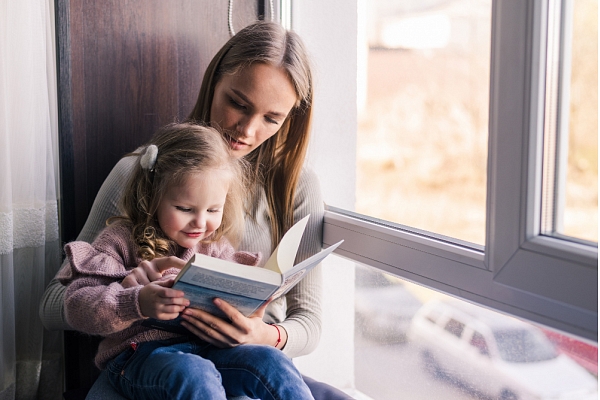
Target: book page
{"x":293,"y":276}
{"x":284,"y":255}
{"x":311,"y":261}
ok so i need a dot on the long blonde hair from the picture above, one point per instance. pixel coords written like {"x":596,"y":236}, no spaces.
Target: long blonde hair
{"x":184,"y":149}
{"x":277,"y":163}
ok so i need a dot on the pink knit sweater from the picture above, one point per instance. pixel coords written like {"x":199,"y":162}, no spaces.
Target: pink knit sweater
{"x":95,"y":301}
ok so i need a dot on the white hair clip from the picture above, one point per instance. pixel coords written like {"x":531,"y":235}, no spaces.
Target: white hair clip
{"x":148,"y":159}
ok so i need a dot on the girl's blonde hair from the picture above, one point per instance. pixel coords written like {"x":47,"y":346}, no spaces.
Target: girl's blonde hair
{"x":277,"y":163}
{"x":184,"y":149}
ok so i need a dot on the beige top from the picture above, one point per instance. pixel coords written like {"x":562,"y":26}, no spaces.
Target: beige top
{"x":298,"y":312}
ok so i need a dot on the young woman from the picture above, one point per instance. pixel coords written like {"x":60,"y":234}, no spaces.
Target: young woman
{"x":185,"y":196}
{"x":258,"y":90}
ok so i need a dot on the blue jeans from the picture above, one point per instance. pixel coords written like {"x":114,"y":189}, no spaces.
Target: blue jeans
{"x":176,"y":369}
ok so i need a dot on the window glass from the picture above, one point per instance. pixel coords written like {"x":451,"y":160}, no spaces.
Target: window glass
{"x":423,"y":119}
{"x":454,"y":327}
{"x":570,"y":162}
{"x":523,"y":346}
{"x":581,"y":203}
{"x":478,"y":341}
{"x":400,"y":353}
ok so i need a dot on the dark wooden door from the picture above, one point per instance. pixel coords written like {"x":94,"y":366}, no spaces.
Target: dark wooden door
{"x":126,"y":67}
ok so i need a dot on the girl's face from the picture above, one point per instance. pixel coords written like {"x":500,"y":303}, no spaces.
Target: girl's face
{"x":251,"y":105}
{"x":192,"y":211}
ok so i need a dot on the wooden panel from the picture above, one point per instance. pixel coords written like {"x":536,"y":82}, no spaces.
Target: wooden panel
{"x":125,"y":68}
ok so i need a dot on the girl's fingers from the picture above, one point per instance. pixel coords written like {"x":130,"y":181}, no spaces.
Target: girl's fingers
{"x":147,"y":271}
{"x":174,"y":301}
{"x":164,"y":263}
{"x":172,"y":309}
{"x":135,"y":278}
{"x":129,"y":281}
{"x":163,"y":290}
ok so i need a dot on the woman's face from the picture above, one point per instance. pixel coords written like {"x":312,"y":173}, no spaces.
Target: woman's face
{"x":251,"y":105}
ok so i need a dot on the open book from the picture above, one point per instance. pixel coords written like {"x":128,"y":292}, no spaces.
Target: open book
{"x":245,"y":287}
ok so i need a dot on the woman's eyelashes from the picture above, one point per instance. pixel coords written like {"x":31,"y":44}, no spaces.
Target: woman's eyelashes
{"x":236,"y":104}
{"x":271,"y":121}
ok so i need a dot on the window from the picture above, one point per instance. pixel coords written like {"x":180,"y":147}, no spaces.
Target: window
{"x":455,"y":327}
{"x":524,"y":346}
{"x":519,"y":270}
{"x":423,"y":118}
{"x":432,"y":317}
{"x":474,"y":353}
{"x":515,"y":267}
{"x":570,"y":181}
{"x":478,"y":341}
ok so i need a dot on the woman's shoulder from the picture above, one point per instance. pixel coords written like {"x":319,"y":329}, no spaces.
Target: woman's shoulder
{"x":124,"y":167}
{"x":309,"y":180}
{"x":309,"y":199}
{"x":308,"y":177}
{"x":106,"y":203}
{"x":116,"y":180}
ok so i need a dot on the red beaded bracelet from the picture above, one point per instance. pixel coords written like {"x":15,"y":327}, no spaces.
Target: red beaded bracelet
{"x":278,"y":335}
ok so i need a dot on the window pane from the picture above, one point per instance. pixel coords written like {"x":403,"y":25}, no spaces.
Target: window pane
{"x":415,"y":343}
{"x":570,"y":162}
{"x":423,"y":121}
{"x":478,"y":341}
{"x":581,"y":205}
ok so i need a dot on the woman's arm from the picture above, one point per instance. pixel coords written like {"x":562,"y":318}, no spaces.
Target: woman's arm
{"x":105,"y":206}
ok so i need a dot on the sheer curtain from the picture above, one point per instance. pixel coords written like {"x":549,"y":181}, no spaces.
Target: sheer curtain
{"x":30,"y":357}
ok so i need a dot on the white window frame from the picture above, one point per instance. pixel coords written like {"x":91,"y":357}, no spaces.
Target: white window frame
{"x":543,"y":279}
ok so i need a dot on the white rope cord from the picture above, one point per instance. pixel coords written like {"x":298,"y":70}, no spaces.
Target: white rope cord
{"x":230,"y":18}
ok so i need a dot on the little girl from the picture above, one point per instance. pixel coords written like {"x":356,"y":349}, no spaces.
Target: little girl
{"x":185,"y":196}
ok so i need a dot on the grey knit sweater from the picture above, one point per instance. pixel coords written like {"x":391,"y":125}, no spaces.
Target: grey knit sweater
{"x":298,"y":312}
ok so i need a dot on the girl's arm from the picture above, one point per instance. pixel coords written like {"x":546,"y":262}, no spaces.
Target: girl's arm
{"x":105,"y":206}
{"x":93,"y":307}
{"x":99,"y":305}
{"x":95,"y":302}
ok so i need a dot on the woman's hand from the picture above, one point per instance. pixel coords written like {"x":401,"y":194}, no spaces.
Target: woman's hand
{"x":238,"y":330}
{"x":158,"y":300}
{"x":150,"y":271}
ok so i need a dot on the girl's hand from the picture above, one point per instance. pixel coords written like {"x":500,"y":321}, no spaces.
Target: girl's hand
{"x":158,"y":300}
{"x":150,"y":271}
{"x":238,"y":330}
